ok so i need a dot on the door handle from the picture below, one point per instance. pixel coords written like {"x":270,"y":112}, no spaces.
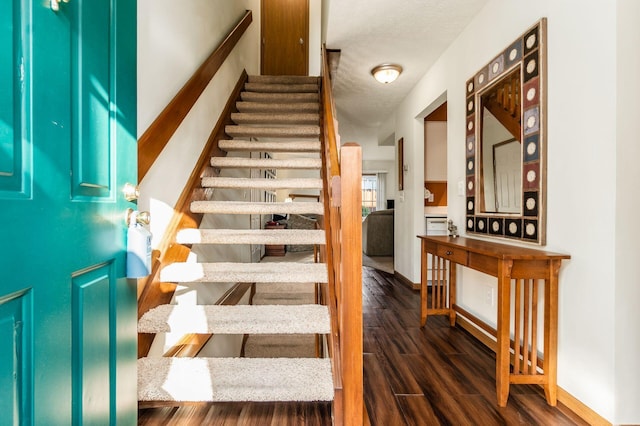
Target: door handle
{"x":143,"y":218}
{"x":55,"y":4}
{"x":131,"y":192}
{"x":301,"y":40}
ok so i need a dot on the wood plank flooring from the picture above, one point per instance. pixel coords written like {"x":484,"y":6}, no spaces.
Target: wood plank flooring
{"x":433,"y":376}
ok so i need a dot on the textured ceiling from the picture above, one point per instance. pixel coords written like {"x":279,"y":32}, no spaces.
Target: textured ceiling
{"x":411,"y":33}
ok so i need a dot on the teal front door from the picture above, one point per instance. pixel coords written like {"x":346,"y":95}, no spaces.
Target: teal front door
{"x":67,"y":148}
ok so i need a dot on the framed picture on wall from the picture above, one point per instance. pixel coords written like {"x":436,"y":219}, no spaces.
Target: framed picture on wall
{"x":400,"y":164}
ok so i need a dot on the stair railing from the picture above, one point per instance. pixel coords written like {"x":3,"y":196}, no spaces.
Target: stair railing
{"x":342,"y":196}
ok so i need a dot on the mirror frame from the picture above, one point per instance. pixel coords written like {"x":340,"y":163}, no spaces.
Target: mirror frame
{"x":529,"y":51}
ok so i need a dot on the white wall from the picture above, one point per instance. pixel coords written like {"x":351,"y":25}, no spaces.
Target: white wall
{"x":435,"y":156}
{"x":627,"y":250}
{"x":315,"y":30}
{"x":375,"y":158}
{"x":173,"y":40}
{"x":596,"y":285}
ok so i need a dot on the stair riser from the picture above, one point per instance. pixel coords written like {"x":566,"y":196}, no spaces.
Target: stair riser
{"x":245,"y":277}
{"x":280,"y":88}
{"x":273,"y":132}
{"x":245,"y":163}
{"x":271,"y":119}
{"x":277,"y":108}
{"x":291,"y":184}
{"x":280,"y":146}
{"x":277,"y":272}
{"x":283,"y":79}
{"x":257,"y":208}
{"x":279,"y":97}
{"x":228,"y":236}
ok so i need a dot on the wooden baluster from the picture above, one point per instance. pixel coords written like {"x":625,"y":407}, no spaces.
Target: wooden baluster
{"x":439,"y":284}
{"x":434,"y":271}
{"x":443,"y":284}
{"x":534,"y":328}
{"x":527,"y":327}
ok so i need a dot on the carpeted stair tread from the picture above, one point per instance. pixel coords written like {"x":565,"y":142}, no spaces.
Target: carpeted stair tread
{"x":261,"y":183}
{"x":270,"y":118}
{"x":243,"y":131}
{"x":280,"y":346}
{"x":278,"y":146}
{"x":283,"y":79}
{"x":279,"y":97}
{"x":245,"y":272}
{"x":251,"y":236}
{"x":281,"y":87}
{"x":237,"y":319}
{"x":275,"y":107}
{"x":244,"y":207}
{"x":266,"y":163}
{"x":234,"y":379}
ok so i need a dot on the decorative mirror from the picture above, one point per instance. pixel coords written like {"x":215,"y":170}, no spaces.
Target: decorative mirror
{"x":506,"y":142}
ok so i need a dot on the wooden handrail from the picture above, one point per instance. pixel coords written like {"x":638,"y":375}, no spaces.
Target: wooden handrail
{"x":156,"y":137}
{"x":342,"y":196}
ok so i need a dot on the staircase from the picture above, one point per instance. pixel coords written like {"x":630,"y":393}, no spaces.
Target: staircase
{"x":275,"y":115}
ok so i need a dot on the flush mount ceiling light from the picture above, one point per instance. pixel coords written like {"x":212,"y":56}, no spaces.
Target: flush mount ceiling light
{"x":386,"y":73}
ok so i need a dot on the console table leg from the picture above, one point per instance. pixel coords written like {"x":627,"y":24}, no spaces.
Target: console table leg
{"x":502,"y":352}
{"x":452,"y":293}
{"x":550,"y":363}
{"x":423,"y":285}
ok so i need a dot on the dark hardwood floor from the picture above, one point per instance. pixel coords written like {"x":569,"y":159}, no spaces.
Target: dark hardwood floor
{"x":433,"y":376}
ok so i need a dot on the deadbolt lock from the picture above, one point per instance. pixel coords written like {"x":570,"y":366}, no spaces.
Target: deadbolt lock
{"x":131,"y":192}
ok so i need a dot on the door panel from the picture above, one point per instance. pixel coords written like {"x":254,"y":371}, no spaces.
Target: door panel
{"x":15,"y":61}
{"x":508,"y":176}
{"x":16,"y":352}
{"x":73,"y":126}
{"x":285,"y":37}
{"x":91,"y":93}
{"x":91,"y":362}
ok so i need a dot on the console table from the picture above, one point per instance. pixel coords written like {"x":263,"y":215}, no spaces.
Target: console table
{"x":520,"y":272}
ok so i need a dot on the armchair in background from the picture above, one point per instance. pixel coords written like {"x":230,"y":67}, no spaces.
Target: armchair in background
{"x":377,"y":233}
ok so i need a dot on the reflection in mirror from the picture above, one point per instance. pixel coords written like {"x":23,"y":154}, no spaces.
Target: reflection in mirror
{"x":501,"y":153}
{"x":505,"y":143}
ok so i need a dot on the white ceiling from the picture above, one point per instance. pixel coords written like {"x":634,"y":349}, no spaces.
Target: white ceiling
{"x":411,"y":33}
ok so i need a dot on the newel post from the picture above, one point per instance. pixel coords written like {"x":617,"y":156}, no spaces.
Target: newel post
{"x":351,"y":289}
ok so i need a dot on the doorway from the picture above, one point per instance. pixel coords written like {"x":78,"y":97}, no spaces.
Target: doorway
{"x":285,"y":37}
{"x":435,"y":158}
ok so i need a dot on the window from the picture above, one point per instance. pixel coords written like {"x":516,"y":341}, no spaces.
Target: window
{"x":369,"y":194}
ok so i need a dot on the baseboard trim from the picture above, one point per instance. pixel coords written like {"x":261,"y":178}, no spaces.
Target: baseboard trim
{"x":406,"y":281}
{"x":569,"y":401}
